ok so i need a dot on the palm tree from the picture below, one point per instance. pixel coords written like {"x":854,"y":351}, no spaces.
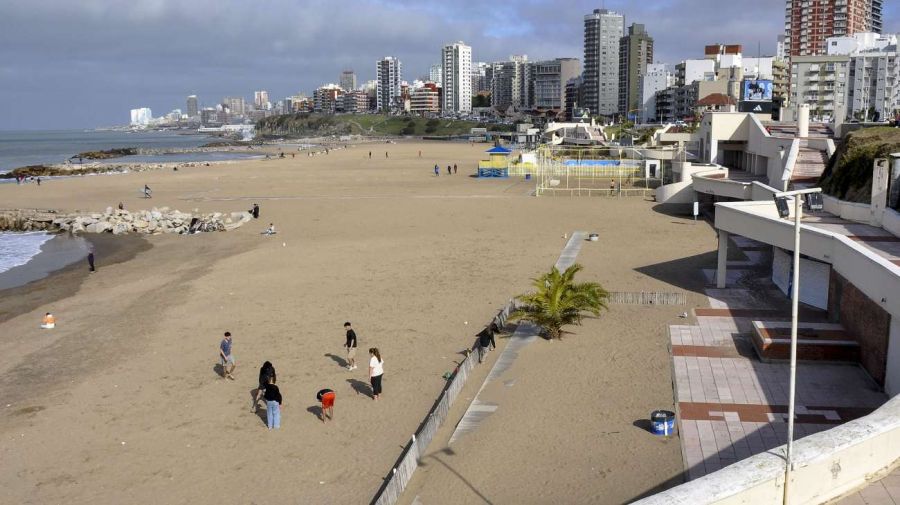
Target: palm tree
{"x":558,"y":301}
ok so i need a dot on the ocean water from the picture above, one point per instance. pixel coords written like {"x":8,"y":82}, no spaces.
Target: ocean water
{"x":17,"y":249}
{"x":22,"y":148}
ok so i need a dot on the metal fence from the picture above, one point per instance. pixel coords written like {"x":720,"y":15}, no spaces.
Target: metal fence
{"x":406,"y":465}
{"x":647,"y":298}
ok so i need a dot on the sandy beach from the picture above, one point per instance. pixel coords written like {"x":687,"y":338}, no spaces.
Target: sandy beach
{"x":121,"y":404}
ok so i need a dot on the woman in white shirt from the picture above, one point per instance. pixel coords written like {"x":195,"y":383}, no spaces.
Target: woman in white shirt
{"x":376,"y":370}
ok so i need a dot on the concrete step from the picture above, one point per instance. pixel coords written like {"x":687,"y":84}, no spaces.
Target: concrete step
{"x":815,"y":342}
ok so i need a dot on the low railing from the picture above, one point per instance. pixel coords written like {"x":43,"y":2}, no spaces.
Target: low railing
{"x":614,"y":193}
{"x":647,"y":298}
{"x":406,"y":465}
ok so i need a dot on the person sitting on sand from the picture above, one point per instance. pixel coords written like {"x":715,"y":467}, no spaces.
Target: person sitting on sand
{"x":48,"y":322}
{"x":270,"y":230}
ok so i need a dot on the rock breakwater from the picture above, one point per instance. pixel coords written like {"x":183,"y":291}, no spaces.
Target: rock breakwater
{"x":118,"y":222}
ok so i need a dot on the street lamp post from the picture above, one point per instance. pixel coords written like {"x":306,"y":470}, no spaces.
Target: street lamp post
{"x":781,"y":203}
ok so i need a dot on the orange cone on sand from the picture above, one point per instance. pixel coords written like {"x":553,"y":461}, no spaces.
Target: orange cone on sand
{"x":48,"y":322}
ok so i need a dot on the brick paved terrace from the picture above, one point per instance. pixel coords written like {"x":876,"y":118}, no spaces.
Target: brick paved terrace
{"x":731,"y":405}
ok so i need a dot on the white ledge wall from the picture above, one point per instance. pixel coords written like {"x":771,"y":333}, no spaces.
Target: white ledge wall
{"x":827,"y":465}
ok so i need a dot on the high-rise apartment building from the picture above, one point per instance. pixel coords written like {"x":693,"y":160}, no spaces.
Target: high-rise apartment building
{"x":456,"y":70}
{"x":435,"y":74}
{"x":260,"y":100}
{"x":602,"y":30}
{"x":235,"y":105}
{"x":635,"y":53}
{"x":348,"y":80}
{"x":193,"y":106}
{"x":388,"y":76}
{"x":550,"y":78}
{"x":481,"y":77}
{"x":655,"y":79}
{"x":141,"y":117}
{"x":511,"y":82}
{"x":808,"y":23}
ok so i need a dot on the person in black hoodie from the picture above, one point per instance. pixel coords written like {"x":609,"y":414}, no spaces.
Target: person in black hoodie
{"x":265,"y":371}
{"x":273,"y":405}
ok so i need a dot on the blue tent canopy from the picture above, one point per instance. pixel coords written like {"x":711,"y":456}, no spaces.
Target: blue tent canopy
{"x":499,"y":150}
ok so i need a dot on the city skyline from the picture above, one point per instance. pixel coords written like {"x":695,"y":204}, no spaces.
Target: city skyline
{"x":68,"y":65}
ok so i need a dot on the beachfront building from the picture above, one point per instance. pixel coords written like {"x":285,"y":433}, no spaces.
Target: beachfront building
{"x":635,"y":53}
{"x":456,"y":70}
{"x":511,"y":83}
{"x":482,"y":77}
{"x":354,"y":101}
{"x":388,"y":72}
{"x":193,"y":106}
{"x":655,"y":79}
{"x":261,"y":100}
{"x":425,"y":98}
{"x":235,"y":105}
{"x":549,"y":81}
{"x":348,"y":80}
{"x":141,"y":116}
{"x":602,"y":31}
{"x":435,"y":73}
{"x":327,"y":99}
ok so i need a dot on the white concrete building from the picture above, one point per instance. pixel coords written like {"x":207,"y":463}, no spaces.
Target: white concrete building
{"x":873,"y":91}
{"x":859,"y":42}
{"x":689,"y":71}
{"x":456,"y":70}
{"x":436,"y":73}
{"x":758,"y":68}
{"x":141,"y":117}
{"x":657,"y":78}
{"x":388,"y":73}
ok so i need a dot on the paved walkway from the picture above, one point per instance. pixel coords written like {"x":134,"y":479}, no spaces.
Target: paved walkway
{"x":730,"y":404}
{"x":879,"y":240}
{"x":883,"y":492}
{"x":525,"y":334}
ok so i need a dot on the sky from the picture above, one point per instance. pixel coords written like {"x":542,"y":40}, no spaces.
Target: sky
{"x":86,"y":63}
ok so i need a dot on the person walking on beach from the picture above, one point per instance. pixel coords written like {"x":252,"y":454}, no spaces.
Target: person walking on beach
{"x":255,"y":211}
{"x":370,"y":155}
{"x":454,"y":168}
{"x":350,"y":344}
{"x":376,"y":371}
{"x":90,"y":259}
{"x":273,"y":404}
{"x":266,"y":371}
{"x":226,"y":358}
{"x":38,"y":181}
{"x":147,"y":191}
{"x":385,"y":154}
{"x":437,"y":170}
{"x":449,"y":170}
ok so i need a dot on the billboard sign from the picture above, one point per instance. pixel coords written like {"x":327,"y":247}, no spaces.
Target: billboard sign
{"x":757,"y":107}
{"x":757,"y":91}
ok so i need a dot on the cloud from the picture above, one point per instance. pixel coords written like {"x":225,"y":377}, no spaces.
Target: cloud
{"x":85,"y":63}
